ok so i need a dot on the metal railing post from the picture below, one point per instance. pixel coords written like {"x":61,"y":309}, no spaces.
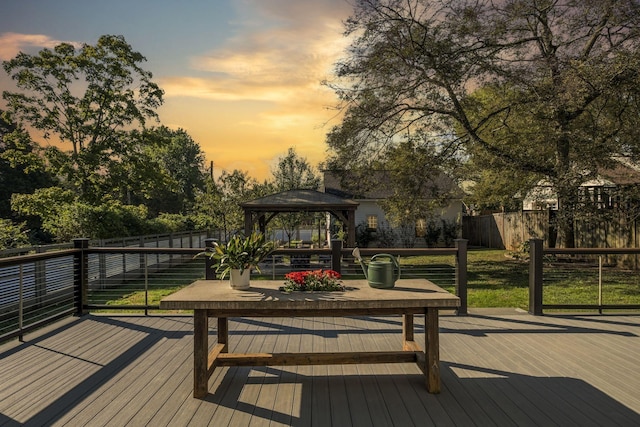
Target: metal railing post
{"x":600,"y":284}
{"x":81,"y":275}
{"x":461,"y":275}
{"x":21,"y":305}
{"x":336,"y":255}
{"x":535,"y":277}
{"x":146,"y":286}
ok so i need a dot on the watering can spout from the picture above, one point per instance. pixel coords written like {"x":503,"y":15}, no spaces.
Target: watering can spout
{"x":356,"y":255}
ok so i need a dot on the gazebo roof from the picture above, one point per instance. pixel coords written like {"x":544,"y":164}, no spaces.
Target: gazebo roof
{"x":299,"y":200}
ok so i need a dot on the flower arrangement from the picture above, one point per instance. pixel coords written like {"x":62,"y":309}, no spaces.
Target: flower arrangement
{"x":315,"y":280}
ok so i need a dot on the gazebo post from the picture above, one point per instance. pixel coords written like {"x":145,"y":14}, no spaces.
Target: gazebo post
{"x":351,"y":232}
{"x":248,"y":224}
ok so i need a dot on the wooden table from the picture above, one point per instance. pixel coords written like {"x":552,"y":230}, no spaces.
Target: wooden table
{"x":211,"y":298}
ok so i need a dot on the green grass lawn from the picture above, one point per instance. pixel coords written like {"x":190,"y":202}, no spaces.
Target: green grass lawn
{"x":494,"y":280}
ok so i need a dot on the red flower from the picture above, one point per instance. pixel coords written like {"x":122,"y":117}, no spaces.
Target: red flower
{"x":316,"y":280}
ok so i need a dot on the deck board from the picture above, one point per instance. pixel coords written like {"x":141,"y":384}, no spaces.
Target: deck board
{"x":496,"y":370}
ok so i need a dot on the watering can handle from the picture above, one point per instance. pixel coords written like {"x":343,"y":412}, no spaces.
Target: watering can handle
{"x":395,"y":263}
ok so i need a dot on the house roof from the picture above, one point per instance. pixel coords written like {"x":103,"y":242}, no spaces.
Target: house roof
{"x":299,"y":200}
{"x":380,"y":187}
{"x":621,"y":174}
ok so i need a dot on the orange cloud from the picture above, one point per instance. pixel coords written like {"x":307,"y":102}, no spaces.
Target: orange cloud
{"x":256,"y":93}
{"x":261,"y":88}
{"x":13,"y":43}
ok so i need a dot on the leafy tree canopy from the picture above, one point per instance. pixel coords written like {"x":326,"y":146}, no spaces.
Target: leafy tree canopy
{"x":548,"y":87}
{"x":218,"y":206}
{"x":87,"y":97}
{"x":22,"y":167}
{"x":12,"y":235}
{"x":294,"y":172}
{"x":164,"y":172}
{"x":65,"y":217}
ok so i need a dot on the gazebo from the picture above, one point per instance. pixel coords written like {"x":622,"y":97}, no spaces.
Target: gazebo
{"x":264,"y":209}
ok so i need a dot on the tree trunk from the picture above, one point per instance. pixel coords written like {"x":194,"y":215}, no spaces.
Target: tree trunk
{"x":566,"y":180}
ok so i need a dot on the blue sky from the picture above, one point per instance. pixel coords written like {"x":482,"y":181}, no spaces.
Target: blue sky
{"x":242,"y":77}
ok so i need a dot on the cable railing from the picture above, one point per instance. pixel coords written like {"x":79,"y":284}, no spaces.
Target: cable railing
{"x":40,"y":288}
{"x":37,"y":289}
{"x":594,"y":279}
{"x":40,"y":284}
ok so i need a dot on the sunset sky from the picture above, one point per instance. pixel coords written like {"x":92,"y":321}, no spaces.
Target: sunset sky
{"x":242,"y":77}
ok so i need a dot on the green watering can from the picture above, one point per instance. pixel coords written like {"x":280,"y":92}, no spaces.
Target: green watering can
{"x":382,"y":272}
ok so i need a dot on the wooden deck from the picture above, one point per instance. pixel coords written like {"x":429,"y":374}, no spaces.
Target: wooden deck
{"x":497,"y":370}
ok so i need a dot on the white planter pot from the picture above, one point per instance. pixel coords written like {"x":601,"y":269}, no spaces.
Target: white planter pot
{"x":240,"y":281}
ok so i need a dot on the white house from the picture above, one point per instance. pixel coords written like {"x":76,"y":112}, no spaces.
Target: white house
{"x":370,"y":212}
{"x":602,"y":190}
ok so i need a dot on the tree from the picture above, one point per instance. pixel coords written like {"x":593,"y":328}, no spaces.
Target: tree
{"x":45,"y":205}
{"x":416,"y":184}
{"x":494,"y":189}
{"x":563,"y":77}
{"x":64,"y":216}
{"x":87,"y":97}
{"x":218,"y":206}
{"x":22,"y":167}
{"x":293,"y":173}
{"x":171,"y":166}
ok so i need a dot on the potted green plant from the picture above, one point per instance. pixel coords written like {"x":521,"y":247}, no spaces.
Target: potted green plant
{"x":238,"y":256}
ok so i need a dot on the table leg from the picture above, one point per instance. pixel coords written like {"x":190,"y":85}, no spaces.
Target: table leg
{"x":200,"y":353}
{"x":407,"y":329}
{"x":223,"y":333}
{"x":432,"y":344}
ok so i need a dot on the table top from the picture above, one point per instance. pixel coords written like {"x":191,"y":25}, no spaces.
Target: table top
{"x":217,"y":294}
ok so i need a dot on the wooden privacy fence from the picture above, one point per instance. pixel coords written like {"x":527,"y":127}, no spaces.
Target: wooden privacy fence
{"x":506,"y":230}
{"x":511,"y":229}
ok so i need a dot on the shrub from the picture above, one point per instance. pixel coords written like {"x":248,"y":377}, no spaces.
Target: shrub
{"x":450,"y":231}
{"x":385,"y":236}
{"x":12,"y":235}
{"x":364,"y":235}
{"x":432,"y":234}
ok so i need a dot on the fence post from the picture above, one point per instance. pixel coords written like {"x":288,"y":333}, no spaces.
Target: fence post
{"x":81,"y":275}
{"x":535,"y":277}
{"x":461,"y":275}
{"x":209,"y":273}
{"x":336,"y":255}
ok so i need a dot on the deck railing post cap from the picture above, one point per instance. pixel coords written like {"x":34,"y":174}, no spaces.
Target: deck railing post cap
{"x":82,"y":242}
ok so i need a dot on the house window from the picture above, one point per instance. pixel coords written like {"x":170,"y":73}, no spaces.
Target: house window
{"x":372,"y":222}
{"x":421,"y":227}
